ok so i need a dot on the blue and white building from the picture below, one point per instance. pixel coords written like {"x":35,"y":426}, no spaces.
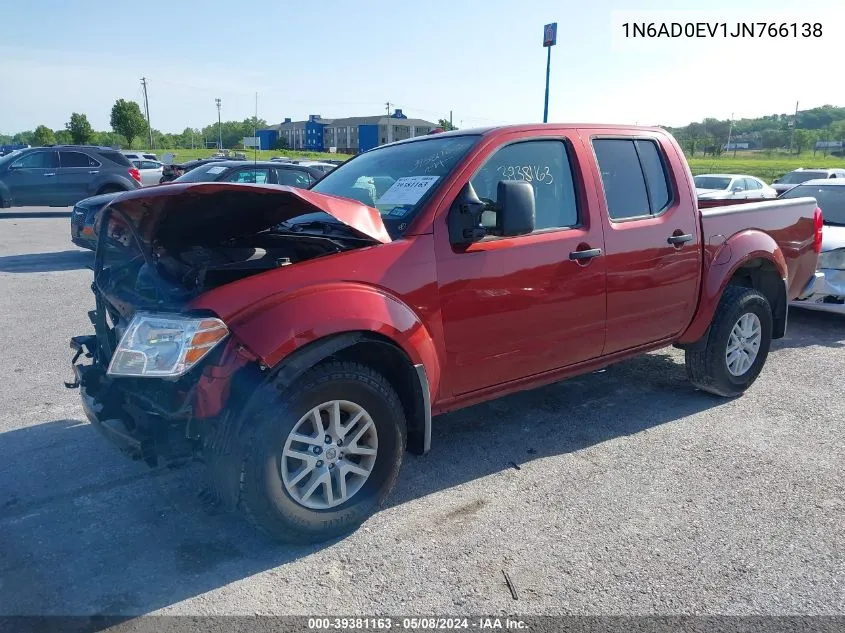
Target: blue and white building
{"x":348,"y":135}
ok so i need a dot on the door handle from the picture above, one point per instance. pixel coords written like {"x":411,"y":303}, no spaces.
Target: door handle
{"x":94,"y":171}
{"x":586,"y":254}
{"x":48,"y":175}
{"x":680,"y":239}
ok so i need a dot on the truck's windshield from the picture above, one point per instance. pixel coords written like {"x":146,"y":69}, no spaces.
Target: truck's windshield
{"x":397,"y":179}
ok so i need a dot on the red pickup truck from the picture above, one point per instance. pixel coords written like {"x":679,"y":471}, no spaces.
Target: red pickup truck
{"x":300,"y":341}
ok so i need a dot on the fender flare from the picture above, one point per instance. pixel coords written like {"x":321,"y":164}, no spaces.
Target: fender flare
{"x":292,"y":333}
{"x":733,"y":254}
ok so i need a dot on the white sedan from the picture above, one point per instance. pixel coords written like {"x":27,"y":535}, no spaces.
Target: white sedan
{"x":732,"y":186}
{"x":151,"y":171}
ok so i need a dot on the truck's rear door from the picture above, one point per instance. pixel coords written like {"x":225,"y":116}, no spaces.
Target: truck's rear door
{"x":651,"y":234}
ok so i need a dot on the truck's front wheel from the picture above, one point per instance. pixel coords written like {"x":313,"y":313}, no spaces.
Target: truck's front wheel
{"x":324,"y":454}
{"x":737,"y":346}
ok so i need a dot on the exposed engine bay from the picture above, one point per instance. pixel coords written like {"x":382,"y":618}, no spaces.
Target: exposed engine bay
{"x":199,"y":268}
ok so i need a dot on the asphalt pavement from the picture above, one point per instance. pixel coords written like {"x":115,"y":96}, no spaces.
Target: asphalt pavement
{"x":624,"y":491}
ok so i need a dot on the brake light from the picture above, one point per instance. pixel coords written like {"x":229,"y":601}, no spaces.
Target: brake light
{"x":135,"y":173}
{"x":818,"y":223}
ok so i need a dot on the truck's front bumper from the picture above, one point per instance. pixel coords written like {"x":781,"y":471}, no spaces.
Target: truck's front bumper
{"x":146,"y":424}
{"x":825,"y":291}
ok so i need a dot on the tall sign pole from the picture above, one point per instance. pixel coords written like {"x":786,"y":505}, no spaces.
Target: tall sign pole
{"x":549,"y":40}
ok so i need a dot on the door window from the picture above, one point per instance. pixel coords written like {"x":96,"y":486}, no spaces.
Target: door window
{"x":739,"y":184}
{"x":544,"y":164}
{"x":77,"y":159}
{"x":293,"y":178}
{"x":752,"y":185}
{"x":634,"y":178}
{"x":253,"y":176}
{"x":37,"y":160}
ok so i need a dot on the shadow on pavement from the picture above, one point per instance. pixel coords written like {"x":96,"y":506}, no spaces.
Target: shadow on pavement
{"x":46,"y":262}
{"x":85,"y":531}
{"x":812,"y":327}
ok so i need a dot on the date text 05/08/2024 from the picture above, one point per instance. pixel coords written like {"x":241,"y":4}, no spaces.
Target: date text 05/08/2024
{"x":723,"y":29}
{"x":416,"y":624}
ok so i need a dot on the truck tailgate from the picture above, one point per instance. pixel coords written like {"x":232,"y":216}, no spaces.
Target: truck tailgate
{"x":790,"y":223}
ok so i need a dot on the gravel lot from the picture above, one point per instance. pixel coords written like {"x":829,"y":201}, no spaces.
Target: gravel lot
{"x":634,"y":494}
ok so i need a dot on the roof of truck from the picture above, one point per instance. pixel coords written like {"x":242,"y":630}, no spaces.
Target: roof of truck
{"x":528,"y":127}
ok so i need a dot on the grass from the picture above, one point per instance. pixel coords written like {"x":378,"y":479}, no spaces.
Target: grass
{"x":183,"y":155}
{"x":758,"y":164}
{"x":767,"y":167}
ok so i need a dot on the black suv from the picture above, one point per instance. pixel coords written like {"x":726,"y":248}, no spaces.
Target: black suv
{"x":61,"y":175}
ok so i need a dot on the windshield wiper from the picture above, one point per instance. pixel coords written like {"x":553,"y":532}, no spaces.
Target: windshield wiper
{"x":832,"y":223}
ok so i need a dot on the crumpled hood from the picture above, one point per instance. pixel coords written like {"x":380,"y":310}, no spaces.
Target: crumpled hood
{"x":209,"y":212}
{"x":833,"y":237}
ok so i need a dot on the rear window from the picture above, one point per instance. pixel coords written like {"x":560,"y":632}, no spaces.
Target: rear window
{"x":796,"y":177}
{"x":633,"y":176}
{"x":116,"y":157}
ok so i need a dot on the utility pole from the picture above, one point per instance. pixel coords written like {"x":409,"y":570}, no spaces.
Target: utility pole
{"x":147,"y":111}
{"x":730,"y":133}
{"x":549,"y":40}
{"x":794,"y":123}
{"x":219,"y":126}
{"x":451,"y":127}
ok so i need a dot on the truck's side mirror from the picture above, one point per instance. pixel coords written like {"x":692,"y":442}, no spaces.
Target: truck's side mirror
{"x":515,"y":208}
{"x":465,"y":217}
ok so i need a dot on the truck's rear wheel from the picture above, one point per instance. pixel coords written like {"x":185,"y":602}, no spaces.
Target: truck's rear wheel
{"x":324,"y":454}
{"x":738,"y":344}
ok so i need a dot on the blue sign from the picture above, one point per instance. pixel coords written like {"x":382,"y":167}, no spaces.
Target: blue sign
{"x":550,"y":34}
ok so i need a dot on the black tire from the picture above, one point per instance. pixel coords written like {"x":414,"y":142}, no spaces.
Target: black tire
{"x":110,"y":189}
{"x":264,"y":498}
{"x":707,"y":368}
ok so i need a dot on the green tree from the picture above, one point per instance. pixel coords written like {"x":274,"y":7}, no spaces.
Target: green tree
{"x":127,"y":120}
{"x":23,"y":137}
{"x":43,"y":136}
{"x":63,"y":137}
{"x":801,"y":140}
{"x":445,"y":125}
{"x":80,"y":129}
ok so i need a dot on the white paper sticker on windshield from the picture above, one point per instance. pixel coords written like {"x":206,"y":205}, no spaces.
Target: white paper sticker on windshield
{"x":216,"y":170}
{"x":407,"y":190}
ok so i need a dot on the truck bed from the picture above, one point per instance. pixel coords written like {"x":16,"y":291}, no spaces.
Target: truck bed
{"x":790,"y":223}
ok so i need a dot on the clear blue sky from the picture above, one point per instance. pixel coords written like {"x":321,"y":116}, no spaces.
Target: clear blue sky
{"x":483,"y":59}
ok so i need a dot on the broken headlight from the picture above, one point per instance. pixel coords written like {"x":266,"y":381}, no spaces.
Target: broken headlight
{"x":164,"y":345}
{"x":835,"y":259}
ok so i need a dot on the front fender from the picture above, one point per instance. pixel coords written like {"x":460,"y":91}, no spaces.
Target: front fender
{"x":724,"y":261}
{"x":279,"y":326}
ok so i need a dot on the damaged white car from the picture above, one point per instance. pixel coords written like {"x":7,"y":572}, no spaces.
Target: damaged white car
{"x":827,"y":290}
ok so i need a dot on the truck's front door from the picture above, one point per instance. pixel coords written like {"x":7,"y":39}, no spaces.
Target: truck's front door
{"x":517,"y":306}
{"x":652,"y":240}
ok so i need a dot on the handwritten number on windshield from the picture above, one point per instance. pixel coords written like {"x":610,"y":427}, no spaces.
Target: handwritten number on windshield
{"x":528,"y":173}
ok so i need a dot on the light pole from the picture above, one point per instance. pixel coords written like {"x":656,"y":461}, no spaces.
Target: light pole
{"x":549,"y":40}
{"x":219,"y":126}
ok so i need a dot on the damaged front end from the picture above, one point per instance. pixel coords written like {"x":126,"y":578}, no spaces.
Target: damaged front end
{"x":156,"y":376}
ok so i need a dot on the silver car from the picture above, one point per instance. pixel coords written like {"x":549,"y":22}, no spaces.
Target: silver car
{"x":733,"y":187}
{"x":800,"y":175}
{"x":827,"y":290}
{"x":151,"y":171}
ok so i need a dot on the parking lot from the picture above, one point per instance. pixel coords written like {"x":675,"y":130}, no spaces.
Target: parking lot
{"x":625,"y":491}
